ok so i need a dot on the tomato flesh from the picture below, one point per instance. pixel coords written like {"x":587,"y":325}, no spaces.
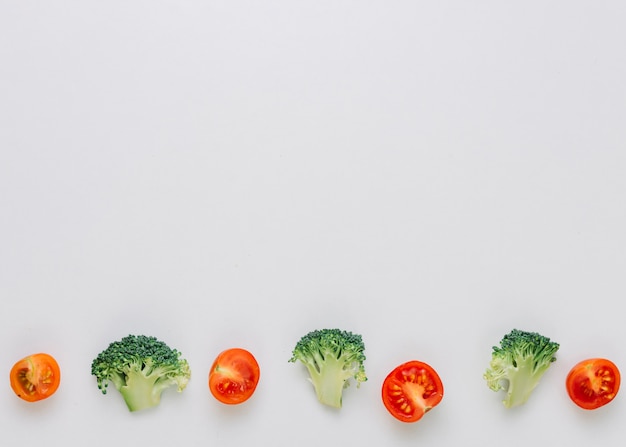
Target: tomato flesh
{"x":411,"y":390}
{"x":593,"y":383}
{"x":35,"y":377}
{"x":234,"y":376}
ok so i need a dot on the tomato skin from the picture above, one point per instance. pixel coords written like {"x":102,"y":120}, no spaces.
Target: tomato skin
{"x":593,"y":383}
{"x":234,"y":376}
{"x":411,"y":390}
{"x":35,"y":377}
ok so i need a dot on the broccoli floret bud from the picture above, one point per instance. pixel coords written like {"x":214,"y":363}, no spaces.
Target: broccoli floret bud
{"x":141,"y":368}
{"x":332,"y":357}
{"x":518,"y":364}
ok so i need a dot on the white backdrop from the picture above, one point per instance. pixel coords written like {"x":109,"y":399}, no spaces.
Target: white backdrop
{"x":238,"y":173}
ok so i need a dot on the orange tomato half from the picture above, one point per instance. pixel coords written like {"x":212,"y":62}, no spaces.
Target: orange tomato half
{"x":593,"y":383}
{"x":35,"y":377}
{"x":411,"y":390}
{"x":234,"y":376}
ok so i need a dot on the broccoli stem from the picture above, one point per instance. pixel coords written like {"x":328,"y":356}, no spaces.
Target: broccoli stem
{"x":330,"y":381}
{"x":140,"y":391}
{"x":522,"y":381}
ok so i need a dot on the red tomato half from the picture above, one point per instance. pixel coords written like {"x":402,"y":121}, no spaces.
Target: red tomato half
{"x":234,"y":376}
{"x":35,"y":377}
{"x":411,"y":390}
{"x":593,"y":383}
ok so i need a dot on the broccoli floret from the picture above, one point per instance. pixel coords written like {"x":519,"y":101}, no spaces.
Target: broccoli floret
{"x":332,"y":357}
{"x":140,"y":367}
{"x":518,"y":363}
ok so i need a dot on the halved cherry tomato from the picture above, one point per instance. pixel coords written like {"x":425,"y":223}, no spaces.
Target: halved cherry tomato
{"x":593,"y":383}
{"x":35,"y":377}
{"x":411,"y":390}
{"x":234,"y":376}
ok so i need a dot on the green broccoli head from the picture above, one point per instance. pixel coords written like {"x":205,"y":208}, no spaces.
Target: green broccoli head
{"x":332,"y":357}
{"x":140,"y":367}
{"x":518,"y":364}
